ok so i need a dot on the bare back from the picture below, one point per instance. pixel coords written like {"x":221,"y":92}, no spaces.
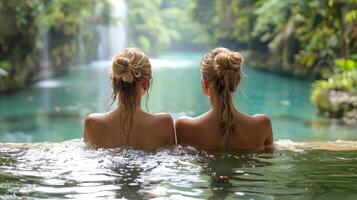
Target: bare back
{"x":251,"y":133}
{"x":148,"y":131}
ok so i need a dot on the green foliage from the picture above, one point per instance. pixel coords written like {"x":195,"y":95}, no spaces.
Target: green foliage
{"x":24,"y":24}
{"x":319,"y":94}
{"x":227,"y":22}
{"x":303,"y":37}
{"x":298,"y":36}
{"x":156,"y":25}
{"x":342,"y":65}
{"x":26,"y":19}
{"x":5,"y":66}
{"x":344,"y":82}
{"x":351,"y":16}
{"x":345,"y":79}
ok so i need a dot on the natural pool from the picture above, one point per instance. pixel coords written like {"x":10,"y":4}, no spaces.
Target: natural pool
{"x":68,"y":170}
{"x":53,"y":111}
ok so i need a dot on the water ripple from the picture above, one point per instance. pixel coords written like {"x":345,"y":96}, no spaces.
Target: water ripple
{"x":70,"y":170}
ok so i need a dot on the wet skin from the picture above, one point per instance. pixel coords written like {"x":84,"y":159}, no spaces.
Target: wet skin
{"x":148,"y":131}
{"x":253,"y":133}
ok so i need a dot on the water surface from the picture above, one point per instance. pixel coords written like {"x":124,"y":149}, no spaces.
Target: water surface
{"x":69,"y":170}
{"x":53,"y":110}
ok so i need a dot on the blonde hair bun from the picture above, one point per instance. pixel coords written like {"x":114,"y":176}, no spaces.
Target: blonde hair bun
{"x":130,"y":64}
{"x":228,"y":62}
{"x":121,"y":69}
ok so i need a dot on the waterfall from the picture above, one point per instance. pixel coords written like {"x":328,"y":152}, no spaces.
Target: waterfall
{"x":45,"y":62}
{"x":112,"y":38}
{"x":42,"y":44}
{"x":81,"y":51}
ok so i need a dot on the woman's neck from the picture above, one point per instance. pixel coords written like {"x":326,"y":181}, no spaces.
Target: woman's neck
{"x":137,"y":107}
{"x":214,"y":100}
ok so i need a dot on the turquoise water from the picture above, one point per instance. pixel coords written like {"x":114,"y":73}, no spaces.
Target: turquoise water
{"x":53,"y":110}
{"x":44,"y":163}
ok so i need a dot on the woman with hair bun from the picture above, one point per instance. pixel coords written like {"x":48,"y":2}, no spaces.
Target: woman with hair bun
{"x":223,"y":125}
{"x":128,"y":125}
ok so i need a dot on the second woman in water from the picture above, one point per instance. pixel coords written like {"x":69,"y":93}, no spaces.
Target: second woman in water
{"x":224,"y":125}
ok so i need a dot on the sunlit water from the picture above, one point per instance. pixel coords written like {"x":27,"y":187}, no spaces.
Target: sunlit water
{"x":53,"y":111}
{"x":69,"y":170}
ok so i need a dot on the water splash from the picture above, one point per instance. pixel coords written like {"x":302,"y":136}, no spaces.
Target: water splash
{"x":49,"y":83}
{"x":69,"y":170}
{"x":338,"y":145}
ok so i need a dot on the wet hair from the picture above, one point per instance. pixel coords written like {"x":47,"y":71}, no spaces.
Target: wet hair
{"x":222,"y":68}
{"x":129,"y":67}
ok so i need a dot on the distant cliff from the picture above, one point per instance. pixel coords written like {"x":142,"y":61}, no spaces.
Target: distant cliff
{"x":38,"y":39}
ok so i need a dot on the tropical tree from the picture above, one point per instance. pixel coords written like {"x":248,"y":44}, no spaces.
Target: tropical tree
{"x":159,"y":24}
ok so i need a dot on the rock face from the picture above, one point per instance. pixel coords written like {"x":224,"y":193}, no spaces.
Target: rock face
{"x":350,"y":117}
{"x":336,"y":97}
{"x":342,"y":105}
{"x":46,"y":37}
{"x":26,"y":71}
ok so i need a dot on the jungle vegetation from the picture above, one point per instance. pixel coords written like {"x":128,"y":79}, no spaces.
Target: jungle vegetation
{"x":51,"y":28}
{"x":300,"y":37}
{"x":311,"y":39}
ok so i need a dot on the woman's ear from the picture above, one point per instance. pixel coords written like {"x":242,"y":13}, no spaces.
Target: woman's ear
{"x":205,"y":88}
{"x":144,"y":87}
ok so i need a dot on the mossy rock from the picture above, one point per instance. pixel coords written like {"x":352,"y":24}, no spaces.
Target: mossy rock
{"x":336,"y":97}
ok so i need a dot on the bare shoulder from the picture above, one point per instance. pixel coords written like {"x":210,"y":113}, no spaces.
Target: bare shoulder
{"x":184,"y":119}
{"x":92,"y":124}
{"x":94,"y":120}
{"x":166,"y":124}
{"x":262,"y":120}
{"x":265,"y":126}
{"x":183,"y":123}
{"x":163,"y":119}
{"x":190,"y":123}
{"x":163,"y":116}
{"x":184,"y":127}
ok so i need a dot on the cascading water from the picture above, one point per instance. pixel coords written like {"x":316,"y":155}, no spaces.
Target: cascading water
{"x":43,"y":46}
{"x":81,"y":50}
{"x":112,"y":38}
{"x":45,"y":63}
